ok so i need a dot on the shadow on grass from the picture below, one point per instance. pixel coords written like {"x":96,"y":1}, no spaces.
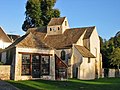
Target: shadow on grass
{"x":71,"y":84}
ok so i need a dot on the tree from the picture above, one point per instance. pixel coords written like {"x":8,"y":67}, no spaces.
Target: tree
{"x":115,"y":57}
{"x":117,"y":39}
{"x":104,"y":49}
{"x":108,"y":47}
{"x":47,"y":11}
{"x":39,"y":12}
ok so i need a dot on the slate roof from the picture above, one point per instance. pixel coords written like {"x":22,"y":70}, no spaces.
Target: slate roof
{"x":56,"y":21}
{"x":4,"y":36}
{"x":84,"y":51}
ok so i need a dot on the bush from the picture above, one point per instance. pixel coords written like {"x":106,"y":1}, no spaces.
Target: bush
{"x":1,"y":63}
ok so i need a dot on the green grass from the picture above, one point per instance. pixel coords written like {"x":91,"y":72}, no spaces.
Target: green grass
{"x":71,"y":84}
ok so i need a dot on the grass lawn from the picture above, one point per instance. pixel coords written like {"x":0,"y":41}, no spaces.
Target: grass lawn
{"x":71,"y":84}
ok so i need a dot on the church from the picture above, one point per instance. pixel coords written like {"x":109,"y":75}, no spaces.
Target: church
{"x":55,"y":52}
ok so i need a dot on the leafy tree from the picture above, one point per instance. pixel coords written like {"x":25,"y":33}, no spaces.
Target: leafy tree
{"x":39,"y":12}
{"x":47,"y":11}
{"x":104,"y":52}
{"x":107,"y":48}
{"x":117,"y":39}
{"x":115,"y":57}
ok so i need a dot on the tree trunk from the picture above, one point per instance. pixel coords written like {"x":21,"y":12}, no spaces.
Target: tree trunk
{"x":118,"y":70}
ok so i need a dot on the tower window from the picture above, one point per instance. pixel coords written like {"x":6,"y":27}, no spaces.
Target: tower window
{"x":89,"y":60}
{"x":50,"y":29}
{"x":58,"y":28}
{"x":65,"y":23}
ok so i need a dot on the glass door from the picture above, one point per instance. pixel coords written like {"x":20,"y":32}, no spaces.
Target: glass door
{"x":35,"y":66}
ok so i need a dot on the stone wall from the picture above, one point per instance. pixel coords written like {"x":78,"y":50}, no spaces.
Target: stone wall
{"x":4,"y":72}
{"x":110,"y":72}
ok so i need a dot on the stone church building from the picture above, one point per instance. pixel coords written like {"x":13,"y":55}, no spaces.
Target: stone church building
{"x":55,"y":52}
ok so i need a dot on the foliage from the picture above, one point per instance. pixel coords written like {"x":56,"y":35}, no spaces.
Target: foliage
{"x":107,"y":47}
{"x":117,"y":41}
{"x":115,"y":57}
{"x":71,"y":84}
{"x":39,"y":12}
{"x":1,"y":63}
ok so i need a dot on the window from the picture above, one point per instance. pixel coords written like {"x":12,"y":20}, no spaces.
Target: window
{"x":89,"y":60}
{"x":63,"y":55}
{"x":50,"y":29}
{"x":96,"y":51}
{"x":65,"y":23}
{"x":45,"y":66}
{"x":35,"y":65}
{"x":58,"y":28}
{"x":62,"y":72}
{"x":26,"y":64}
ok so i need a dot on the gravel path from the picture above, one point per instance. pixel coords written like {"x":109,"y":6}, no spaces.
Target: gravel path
{"x":6,"y":86}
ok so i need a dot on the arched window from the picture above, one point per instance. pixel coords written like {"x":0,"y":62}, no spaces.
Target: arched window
{"x":63,"y":55}
{"x":50,"y":29}
{"x":65,"y":23}
{"x":58,"y":28}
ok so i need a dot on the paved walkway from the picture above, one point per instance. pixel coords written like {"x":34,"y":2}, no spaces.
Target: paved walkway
{"x":6,"y":86}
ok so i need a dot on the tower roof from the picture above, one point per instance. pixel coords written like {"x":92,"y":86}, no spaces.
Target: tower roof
{"x":56,"y":21}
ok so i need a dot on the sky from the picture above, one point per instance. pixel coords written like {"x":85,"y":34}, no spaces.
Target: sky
{"x":104,"y":14}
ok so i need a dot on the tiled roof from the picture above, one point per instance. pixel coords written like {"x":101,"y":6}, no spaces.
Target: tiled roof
{"x":28,"y":41}
{"x":88,"y":32}
{"x":13,"y":37}
{"x":38,"y":38}
{"x":64,"y":40}
{"x":17,"y":41}
{"x":84,"y":51}
{"x":56,"y":21}
{"x":38,"y":29}
{"x":32,"y":41}
{"x":4,"y":36}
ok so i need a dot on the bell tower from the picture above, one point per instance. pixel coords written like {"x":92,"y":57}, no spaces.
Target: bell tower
{"x":57,"y":26}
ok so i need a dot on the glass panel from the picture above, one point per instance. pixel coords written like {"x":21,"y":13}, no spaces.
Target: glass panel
{"x":25,"y":64}
{"x":35,"y":66}
{"x":45,"y":66}
{"x":63,"y":55}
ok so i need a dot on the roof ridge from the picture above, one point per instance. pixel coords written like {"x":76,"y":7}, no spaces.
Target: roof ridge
{"x":83,"y":27}
{"x":58,"y":17}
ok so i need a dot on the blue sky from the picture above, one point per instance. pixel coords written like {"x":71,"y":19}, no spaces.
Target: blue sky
{"x":104,"y":14}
